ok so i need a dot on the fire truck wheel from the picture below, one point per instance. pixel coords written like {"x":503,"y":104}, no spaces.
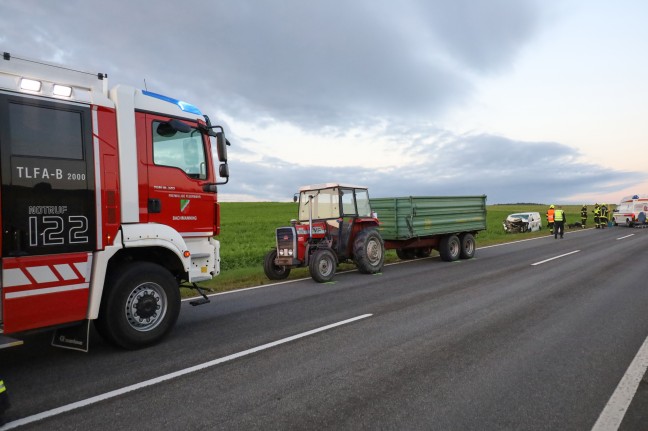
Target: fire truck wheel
{"x":322,"y":265}
{"x":369,"y":251}
{"x":272,"y":271}
{"x":450,"y":248}
{"x":406,"y":253}
{"x":141,"y":305}
{"x":467,"y":246}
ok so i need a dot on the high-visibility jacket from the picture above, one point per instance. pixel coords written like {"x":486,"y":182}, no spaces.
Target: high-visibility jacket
{"x":559,"y":215}
{"x":550,"y":215}
{"x":4,"y":400}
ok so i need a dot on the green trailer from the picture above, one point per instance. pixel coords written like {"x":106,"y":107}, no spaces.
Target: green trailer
{"x":415,"y":225}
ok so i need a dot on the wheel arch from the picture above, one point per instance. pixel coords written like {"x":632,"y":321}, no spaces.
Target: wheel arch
{"x":157,"y":244}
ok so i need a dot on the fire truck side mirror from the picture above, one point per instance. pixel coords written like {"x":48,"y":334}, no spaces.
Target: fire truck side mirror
{"x":221,"y":146}
{"x":223,"y":170}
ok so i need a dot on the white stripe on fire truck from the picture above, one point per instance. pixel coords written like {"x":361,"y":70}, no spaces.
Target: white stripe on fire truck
{"x":47,"y":290}
{"x":14,"y":277}
{"x":97,"y":173}
{"x":82,"y":267}
{"x":66,"y":272}
{"x":42,"y":274}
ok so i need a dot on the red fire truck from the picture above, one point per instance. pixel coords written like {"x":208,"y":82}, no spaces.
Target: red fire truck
{"x":108,"y":205}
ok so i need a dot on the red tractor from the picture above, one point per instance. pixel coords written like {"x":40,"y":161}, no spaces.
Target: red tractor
{"x":335,"y":225}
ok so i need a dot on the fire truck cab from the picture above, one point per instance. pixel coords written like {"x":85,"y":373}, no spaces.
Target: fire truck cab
{"x":108,"y":204}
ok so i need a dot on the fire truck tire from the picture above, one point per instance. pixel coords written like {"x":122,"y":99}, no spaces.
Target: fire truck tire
{"x":322,"y":265}
{"x":272,"y":271}
{"x":369,"y":251}
{"x":467,"y":246}
{"x":141,"y":305}
{"x":406,"y":253}
{"x":450,"y":248}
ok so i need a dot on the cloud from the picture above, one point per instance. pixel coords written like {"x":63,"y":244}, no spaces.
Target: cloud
{"x":314,"y":64}
{"x":326,"y":68}
{"x":505,"y":170}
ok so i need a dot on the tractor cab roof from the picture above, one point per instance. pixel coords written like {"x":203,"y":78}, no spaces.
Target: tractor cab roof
{"x":329,"y":186}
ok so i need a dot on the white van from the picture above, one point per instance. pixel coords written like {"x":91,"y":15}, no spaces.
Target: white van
{"x":628,"y":212}
{"x":523,"y":222}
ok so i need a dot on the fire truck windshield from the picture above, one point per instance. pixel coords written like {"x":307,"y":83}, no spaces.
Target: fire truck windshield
{"x":182,"y":150}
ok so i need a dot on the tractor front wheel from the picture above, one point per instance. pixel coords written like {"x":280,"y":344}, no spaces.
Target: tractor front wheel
{"x":369,"y":251}
{"x":272,"y":270}
{"x":322,"y":265}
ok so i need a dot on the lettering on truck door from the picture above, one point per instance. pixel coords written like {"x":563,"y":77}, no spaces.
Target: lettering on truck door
{"x":48,"y":211}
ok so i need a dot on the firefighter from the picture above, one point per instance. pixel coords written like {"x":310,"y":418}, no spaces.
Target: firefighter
{"x":559,"y":222}
{"x":550,"y":218}
{"x":583,"y":215}
{"x":597,"y":216}
{"x":4,"y":401}
{"x":604,"y":216}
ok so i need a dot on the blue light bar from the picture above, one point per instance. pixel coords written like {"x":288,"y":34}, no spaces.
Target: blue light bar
{"x":186,"y":107}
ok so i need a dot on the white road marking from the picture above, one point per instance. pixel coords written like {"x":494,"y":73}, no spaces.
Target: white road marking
{"x":179,"y":373}
{"x":553,"y":258}
{"x":624,"y":237}
{"x":616,"y":408}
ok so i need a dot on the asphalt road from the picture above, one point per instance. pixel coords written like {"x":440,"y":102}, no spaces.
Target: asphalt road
{"x":491,"y":343}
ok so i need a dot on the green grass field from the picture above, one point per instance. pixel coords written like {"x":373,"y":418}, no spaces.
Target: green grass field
{"x":247,"y":234}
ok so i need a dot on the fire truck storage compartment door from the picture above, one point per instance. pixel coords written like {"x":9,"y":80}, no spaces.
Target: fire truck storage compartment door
{"x":47,"y":198}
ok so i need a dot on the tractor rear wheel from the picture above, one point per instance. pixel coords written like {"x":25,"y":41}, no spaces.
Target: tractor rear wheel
{"x":272,"y":270}
{"x":369,"y":251}
{"x":322,"y":265}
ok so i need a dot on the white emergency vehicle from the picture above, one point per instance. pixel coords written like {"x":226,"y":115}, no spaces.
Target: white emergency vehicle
{"x":632,"y":210}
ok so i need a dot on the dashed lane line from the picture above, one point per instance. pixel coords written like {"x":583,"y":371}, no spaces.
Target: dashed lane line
{"x":554,"y":258}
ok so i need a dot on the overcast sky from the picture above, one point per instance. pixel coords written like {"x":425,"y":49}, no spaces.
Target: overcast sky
{"x":524,"y":101}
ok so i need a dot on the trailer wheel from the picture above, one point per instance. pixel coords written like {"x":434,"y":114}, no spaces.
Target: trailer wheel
{"x":467,"y":246}
{"x":423,"y":252}
{"x":369,"y":251}
{"x":322,"y":265}
{"x":273,"y":271}
{"x":141,"y":305}
{"x":406,"y":253}
{"x":450,"y":248}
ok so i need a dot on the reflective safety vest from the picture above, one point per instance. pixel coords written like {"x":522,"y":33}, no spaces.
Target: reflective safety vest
{"x":559,"y":215}
{"x":4,"y":399}
{"x":550,"y":215}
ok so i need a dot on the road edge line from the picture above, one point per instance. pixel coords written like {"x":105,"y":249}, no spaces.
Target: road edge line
{"x":617,"y":406}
